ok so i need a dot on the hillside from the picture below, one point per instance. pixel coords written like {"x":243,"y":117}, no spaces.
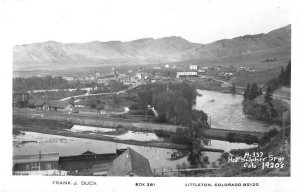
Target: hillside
{"x":245,"y":45}
{"x":246,"y":49}
{"x":53,"y":54}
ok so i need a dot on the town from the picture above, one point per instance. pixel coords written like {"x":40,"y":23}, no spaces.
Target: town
{"x":113,"y":108}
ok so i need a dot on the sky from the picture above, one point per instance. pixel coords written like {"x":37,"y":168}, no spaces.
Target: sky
{"x":198,"y":21}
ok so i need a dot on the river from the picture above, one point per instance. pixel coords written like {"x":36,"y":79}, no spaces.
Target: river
{"x":226,"y":112}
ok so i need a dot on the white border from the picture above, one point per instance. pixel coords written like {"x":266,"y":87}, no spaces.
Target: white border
{"x":10,"y":183}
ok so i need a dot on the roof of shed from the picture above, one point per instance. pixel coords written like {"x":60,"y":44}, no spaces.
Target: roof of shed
{"x":36,"y":158}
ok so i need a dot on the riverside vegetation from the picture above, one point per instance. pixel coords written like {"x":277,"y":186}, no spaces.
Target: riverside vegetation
{"x":263,"y":106}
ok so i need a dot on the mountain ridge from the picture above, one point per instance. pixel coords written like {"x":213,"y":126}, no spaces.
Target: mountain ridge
{"x":52,"y":54}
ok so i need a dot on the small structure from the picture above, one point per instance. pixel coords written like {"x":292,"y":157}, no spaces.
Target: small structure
{"x":20,"y":99}
{"x":141,"y":76}
{"x":130,"y":163}
{"x":125,"y":80}
{"x":103,"y":81}
{"x":69,"y":78}
{"x":56,"y":104}
{"x":37,"y":164}
{"x":37,"y":103}
{"x":50,"y":104}
{"x":193,"y":67}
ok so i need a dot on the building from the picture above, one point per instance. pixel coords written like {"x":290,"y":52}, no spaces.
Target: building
{"x":187,"y":74}
{"x":68,"y":78}
{"x":141,"y":76}
{"x":103,"y":81}
{"x":130,"y":163}
{"x":58,"y":105}
{"x":193,"y":67}
{"x":125,"y":80}
{"x":37,"y":164}
{"x":44,"y":104}
{"x":20,"y":99}
{"x":85,"y":160}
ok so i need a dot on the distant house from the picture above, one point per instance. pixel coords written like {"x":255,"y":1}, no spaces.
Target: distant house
{"x":20,"y":99}
{"x":37,"y":103}
{"x":130,"y":163}
{"x":56,"y":104}
{"x":68,"y":78}
{"x":125,"y":80}
{"x":187,"y":74}
{"x":37,"y":164}
{"x":50,"y":104}
{"x":103,"y":81}
{"x":141,"y":76}
{"x":193,"y":67}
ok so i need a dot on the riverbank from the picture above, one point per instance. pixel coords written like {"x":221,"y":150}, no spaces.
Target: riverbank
{"x":276,"y":147}
{"x":215,"y":85}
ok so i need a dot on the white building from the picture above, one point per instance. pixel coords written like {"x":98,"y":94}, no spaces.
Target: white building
{"x":187,"y":74}
{"x":103,"y":81}
{"x":141,"y":76}
{"x":68,"y":78}
{"x":193,"y":67}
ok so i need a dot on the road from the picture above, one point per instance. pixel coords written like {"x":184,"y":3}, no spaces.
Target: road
{"x":283,"y":94}
{"x":111,"y":93}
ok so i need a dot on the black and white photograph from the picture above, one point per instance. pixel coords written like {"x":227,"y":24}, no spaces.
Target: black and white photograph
{"x":150,"y":90}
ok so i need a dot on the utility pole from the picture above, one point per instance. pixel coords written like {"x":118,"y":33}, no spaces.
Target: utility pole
{"x":283,"y":126}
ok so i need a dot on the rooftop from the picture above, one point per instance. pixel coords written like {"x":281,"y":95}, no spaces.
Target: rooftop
{"x":36,"y":158}
{"x":130,"y":162}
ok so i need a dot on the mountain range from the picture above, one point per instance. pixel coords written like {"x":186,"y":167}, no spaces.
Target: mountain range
{"x":53,"y":55}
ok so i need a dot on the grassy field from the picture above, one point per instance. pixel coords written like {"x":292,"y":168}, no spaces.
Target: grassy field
{"x":259,"y":77}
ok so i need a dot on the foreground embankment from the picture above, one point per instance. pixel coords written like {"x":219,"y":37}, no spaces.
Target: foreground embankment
{"x":97,"y":121}
{"x":55,"y":127}
{"x":219,"y":134}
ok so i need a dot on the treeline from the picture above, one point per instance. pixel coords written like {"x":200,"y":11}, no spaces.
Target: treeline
{"x":36,"y":83}
{"x":112,"y":86}
{"x":252,"y":91}
{"x":56,"y":95}
{"x":173,"y":103}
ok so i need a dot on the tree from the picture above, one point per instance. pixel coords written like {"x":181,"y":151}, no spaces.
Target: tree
{"x":268,"y":96}
{"x":287,"y":75}
{"x":254,"y":91}
{"x":247,"y":92}
{"x":269,"y":108}
{"x":72,"y":101}
{"x":281,"y":76}
{"x":233,"y":89}
{"x":116,"y":100}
